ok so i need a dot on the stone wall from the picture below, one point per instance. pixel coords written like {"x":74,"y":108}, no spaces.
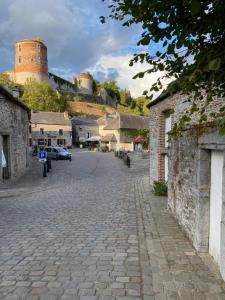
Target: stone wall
{"x":14,"y":123}
{"x":82,"y":131}
{"x":182,"y":181}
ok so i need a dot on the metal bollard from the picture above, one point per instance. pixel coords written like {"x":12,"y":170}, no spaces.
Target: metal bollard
{"x":128,"y":161}
{"x":48,"y":165}
{"x":45,"y":169}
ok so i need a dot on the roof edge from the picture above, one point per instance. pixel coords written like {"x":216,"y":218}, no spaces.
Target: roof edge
{"x":6,"y":93}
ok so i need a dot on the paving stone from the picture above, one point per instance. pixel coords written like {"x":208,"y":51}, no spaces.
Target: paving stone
{"x":93,"y":230}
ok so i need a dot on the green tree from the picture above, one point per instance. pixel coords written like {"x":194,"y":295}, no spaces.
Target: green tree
{"x":141,"y":104}
{"x":191,"y":35}
{"x":41,"y":97}
{"x":96,"y":87}
{"x":5,"y":81}
{"x":112,"y":89}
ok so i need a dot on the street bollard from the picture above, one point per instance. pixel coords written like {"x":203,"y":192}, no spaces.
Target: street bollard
{"x":128,"y":161}
{"x":45,"y":169}
{"x":49,"y":161}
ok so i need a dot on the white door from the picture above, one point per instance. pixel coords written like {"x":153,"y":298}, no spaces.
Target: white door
{"x":166,"y":167}
{"x":168,"y":127}
{"x":215,"y":204}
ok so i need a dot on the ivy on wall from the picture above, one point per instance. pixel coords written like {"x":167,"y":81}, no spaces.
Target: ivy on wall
{"x":60,"y":81}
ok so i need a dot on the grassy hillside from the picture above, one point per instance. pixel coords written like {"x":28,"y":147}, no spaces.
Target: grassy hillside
{"x":86,"y":109}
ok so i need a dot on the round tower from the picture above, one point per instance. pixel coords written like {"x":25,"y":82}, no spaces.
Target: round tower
{"x":31,"y":60}
{"x":86,"y":83}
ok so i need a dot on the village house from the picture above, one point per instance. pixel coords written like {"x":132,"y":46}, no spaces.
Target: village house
{"x":194,"y":167}
{"x":14,"y":130}
{"x":115,"y":130}
{"x":50,"y":129}
{"x":84,"y":128}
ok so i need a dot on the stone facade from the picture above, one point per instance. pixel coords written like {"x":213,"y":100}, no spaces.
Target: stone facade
{"x":189,"y":170}
{"x":14,"y":126}
{"x":51,"y":129}
{"x":84,"y":128}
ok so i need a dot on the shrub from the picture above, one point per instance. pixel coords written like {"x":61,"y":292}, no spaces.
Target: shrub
{"x":160,"y":188}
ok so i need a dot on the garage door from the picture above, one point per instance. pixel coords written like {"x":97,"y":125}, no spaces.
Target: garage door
{"x":215,"y":204}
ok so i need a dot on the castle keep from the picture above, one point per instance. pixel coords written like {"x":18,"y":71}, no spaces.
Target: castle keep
{"x":31,"y":62}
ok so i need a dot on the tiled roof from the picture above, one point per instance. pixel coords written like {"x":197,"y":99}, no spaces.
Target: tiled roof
{"x":127,"y":121}
{"x":11,"y":98}
{"x":83,"y":121}
{"x":109,"y":138}
{"x":53,"y":118}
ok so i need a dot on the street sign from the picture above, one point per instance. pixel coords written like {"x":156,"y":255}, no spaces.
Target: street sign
{"x":42,"y":156}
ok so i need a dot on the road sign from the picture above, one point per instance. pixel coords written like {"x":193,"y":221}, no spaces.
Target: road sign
{"x":42,"y":156}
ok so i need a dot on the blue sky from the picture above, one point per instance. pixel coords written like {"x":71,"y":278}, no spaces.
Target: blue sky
{"x":75,"y":38}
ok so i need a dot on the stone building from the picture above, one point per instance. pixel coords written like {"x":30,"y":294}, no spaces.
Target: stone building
{"x":196,"y":172}
{"x":14,"y":130}
{"x":50,"y":129}
{"x":84,"y":128}
{"x":115,"y":130}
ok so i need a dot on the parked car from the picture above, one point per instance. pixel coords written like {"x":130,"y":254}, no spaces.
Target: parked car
{"x":58,"y":153}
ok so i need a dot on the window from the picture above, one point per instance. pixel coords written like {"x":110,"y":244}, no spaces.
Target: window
{"x":41,"y":130}
{"x":30,"y":142}
{"x":19,"y":48}
{"x":20,"y":60}
{"x":168,"y":125}
{"x":41,"y":142}
{"x":39,"y":48}
{"x":61,"y":142}
{"x":39,"y":59}
{"x":60,"y":131}
{"x":29,"y":128}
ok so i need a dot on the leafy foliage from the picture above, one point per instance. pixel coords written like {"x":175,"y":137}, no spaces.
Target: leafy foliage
{"x":112,"y":89}
{"x":160,"y":188}
{"x":137,"y":106}
{"x":41,"y":97}
{"x":96,"y":87}
{"x":192,"y":38}
{"x":5,"y":81}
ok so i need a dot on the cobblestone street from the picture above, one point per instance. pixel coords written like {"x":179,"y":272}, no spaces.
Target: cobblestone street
{"x":92,"y":230}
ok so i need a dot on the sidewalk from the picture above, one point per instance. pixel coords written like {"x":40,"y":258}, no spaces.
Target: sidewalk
{"x":172,"y":269}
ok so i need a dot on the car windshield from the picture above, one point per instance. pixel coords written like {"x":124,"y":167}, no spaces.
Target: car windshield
{"x":61,"y":150}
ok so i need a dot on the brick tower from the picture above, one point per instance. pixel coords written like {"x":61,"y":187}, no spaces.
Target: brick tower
{"x":30,"y":60}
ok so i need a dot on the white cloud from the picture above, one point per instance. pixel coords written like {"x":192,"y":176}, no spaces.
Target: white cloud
{"x":103,"y":69}
{"x":71,"y":29}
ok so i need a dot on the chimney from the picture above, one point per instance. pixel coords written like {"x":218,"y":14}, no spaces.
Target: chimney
{"x":66,"y":115}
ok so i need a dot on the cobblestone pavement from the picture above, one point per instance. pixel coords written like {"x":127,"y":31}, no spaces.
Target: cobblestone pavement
{"x":92,"y":230}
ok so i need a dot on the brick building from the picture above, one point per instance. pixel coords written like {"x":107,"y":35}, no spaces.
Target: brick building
{"x":196,"y":172}
{"x":31,"y":61}
{"x":50,"y":129}
{"x":161,"y":120}
{"x":14,"y":127}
